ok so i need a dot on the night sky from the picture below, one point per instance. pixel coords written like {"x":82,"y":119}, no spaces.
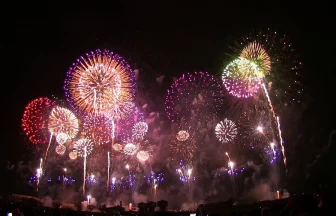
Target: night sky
{"x":39,"y":43}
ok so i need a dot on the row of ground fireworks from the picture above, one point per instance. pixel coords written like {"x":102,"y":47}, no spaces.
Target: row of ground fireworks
{"x":100,"y":91}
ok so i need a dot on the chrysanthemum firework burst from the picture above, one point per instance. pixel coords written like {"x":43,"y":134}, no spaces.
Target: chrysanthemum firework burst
{"x":226,"y":131}
{"x":62,"y":120}
{"x":84,"y":147}
{"x":182,"y":135}
{"x":98,"y":82}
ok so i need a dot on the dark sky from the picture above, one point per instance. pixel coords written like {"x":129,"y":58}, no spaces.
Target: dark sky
{"x":40,"y":42}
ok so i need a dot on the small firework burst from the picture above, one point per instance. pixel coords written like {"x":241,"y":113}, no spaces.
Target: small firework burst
{"x":226,"y":131}
{"x":60,"y":149}
{"x":61,"y":138}
{"x":84,"y":147}
{"x":182,"y":135}
{"x":99,"y":82}
{"x":73,"y":155}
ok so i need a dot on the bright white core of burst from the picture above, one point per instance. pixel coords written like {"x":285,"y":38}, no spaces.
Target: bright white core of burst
{"x":182,"y":135}
{"x":61,"y":138}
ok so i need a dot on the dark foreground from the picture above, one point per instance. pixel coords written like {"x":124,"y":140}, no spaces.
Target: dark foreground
{"x":304,"y":204}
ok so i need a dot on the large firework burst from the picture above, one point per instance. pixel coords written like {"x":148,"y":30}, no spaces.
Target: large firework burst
{"x":193,"y":94}
{"x":226,"y":131}
{"x":99,"y":82}
{"x":62,"y":120}
{"x":35,"y":120}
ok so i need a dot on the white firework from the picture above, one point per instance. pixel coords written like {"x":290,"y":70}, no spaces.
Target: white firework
{"x":182,"y":135}
{"x":84,"y":147}
{"x":61,"y":138}
{"x":139,"y":130}
{"x":226,"y":131}
{"x":130,"y":149}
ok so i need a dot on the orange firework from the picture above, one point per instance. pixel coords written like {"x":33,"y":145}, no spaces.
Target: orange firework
{"x":99,"y":82}
{"x":256,"y":53}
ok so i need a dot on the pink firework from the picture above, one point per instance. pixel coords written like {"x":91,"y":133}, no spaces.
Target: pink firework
{"x":242,"y":88}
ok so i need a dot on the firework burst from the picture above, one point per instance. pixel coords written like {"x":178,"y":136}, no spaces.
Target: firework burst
{"x":62,"y":120}
{"x":60,"y":149}
{"x":226,"y":131}
{"x":182,"y":135}
{"x":277,"y":59}
{"x":84,"y":147}
{"x":242,"y":78}
{"x":130,"y":149}
{"x":99,"y":82}
{"x":61,"y":138}
{"x":35,"y":120}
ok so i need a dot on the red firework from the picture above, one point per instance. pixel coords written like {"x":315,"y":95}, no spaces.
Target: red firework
{"x":35,"y":120}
